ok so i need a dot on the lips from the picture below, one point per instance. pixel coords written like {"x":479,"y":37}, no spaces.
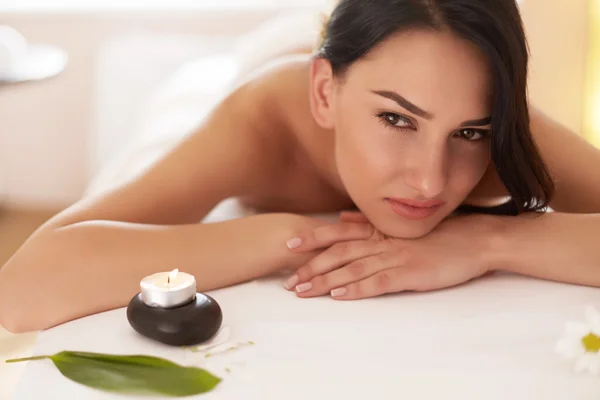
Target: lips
{"x":418,"y":204}
{"x":414,"y":209}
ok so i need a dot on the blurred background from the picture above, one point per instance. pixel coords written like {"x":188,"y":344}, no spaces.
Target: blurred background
{"x":111,"y":82}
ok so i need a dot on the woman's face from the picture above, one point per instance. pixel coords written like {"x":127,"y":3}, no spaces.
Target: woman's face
{"x":412,"y":124}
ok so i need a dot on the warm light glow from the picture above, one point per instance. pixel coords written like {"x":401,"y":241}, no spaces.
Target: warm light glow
{"x":172,"y":275}
{"x":592,"y":84}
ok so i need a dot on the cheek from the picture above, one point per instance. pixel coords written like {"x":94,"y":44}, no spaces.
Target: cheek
{"x":364,"y":151}
{"x":354,"y":143}
{"x":363,"y":145}
{"x":467,"y":169}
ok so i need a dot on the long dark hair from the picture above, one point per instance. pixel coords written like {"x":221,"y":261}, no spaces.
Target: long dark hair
{"x":356,"y":26}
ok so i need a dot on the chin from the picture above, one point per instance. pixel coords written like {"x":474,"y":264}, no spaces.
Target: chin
{"x":404,"y":230}
{"x":393,"y":225}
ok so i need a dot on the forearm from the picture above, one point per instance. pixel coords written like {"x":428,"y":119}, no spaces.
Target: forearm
{"x":95,"y":266}
{"x":554,"y":246}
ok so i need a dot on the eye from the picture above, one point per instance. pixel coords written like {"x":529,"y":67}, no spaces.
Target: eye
{"x":395,"y":120}
{"x":472,"y":135}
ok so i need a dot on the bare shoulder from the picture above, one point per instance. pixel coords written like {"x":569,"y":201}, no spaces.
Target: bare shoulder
{"x":284,"y":113}
{"x":281,"y":85}
{"x":230,"y":154}
{"x":573,"y":163}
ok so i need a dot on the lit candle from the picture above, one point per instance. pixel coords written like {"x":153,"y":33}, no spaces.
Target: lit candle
{"x":168,"y":289}
{"x":168,"y":309}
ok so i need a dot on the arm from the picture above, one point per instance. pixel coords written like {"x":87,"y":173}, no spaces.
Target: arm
{"x":95,"y":266}
{"x":563,"y":245}
{"x":91,"y":257}
{"x":360,"y":262}
{"x":555,"y":246}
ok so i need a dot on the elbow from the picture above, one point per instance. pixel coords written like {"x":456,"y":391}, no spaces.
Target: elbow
{"x":16,"y":313}
{"x":8,"y":321}
{"x":13,"y":318}
{"x":20,"y":313}
{"x":25,"y":304}
{"x":16,"y":325}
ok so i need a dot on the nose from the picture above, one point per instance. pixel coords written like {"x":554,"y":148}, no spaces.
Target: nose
{"x":427,"y":172}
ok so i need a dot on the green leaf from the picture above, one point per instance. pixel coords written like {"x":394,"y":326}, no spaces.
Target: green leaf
{"x":133,"y":375}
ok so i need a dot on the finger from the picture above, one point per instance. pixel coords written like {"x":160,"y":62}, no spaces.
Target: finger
{"x":334,"y":282}
{"x":335,"y":257}
{"x":326,"y":236}
{"x":392,"y":280}
{"x":352,"y":216}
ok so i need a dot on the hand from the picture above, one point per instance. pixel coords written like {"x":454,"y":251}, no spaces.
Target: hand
{"x":360,"y":262}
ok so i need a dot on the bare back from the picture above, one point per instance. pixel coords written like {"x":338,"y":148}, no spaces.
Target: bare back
{"x":260,"y":144}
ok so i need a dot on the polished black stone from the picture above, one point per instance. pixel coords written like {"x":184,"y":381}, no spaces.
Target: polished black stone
{"x":189,"y":324}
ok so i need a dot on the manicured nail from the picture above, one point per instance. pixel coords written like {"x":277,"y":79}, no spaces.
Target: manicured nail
{"x":294,"y":243}
{"x":290,"y":283}
{"x":305,"y":287}
{"x":338,"y":292}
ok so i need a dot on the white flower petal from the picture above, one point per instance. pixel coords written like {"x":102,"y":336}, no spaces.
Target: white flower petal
{"x":581,"y":365}
{"x":594,"y":366}
{"x":592,"y":316}
{"x":585,"y":363}
{"x":569,"y":348}
{"x":595,"y":328}
{"x":577,"y":329}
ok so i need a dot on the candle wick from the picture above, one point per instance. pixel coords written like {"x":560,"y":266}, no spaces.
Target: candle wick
{"x":168,"y":279}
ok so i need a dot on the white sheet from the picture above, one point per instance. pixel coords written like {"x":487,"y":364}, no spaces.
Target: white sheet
{"x":490,"y":339}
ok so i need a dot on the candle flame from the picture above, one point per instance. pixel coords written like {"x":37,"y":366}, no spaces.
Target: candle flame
{"x":172,"y":275}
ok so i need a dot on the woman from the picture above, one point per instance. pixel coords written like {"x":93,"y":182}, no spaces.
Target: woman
{"x":410,"y":111}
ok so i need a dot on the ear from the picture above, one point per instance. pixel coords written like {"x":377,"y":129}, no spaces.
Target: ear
{"x":321,"y":92}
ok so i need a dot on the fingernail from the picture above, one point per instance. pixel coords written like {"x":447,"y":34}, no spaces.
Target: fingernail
{"x":294,"y":243}
{"x":290,"y":283}
{"x":305,"y":287}
{"x":338,"y":292}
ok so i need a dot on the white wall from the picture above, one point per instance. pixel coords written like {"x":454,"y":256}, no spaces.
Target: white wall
{"x":46,"y":128}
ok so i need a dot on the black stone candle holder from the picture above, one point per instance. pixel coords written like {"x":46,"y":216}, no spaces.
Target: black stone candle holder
{"x":189,"y":324}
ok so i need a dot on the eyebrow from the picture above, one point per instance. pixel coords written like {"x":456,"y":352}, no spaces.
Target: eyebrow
{"x":477,"y":122}
{"x":407,"y":105}
{"x":402,"y":102}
